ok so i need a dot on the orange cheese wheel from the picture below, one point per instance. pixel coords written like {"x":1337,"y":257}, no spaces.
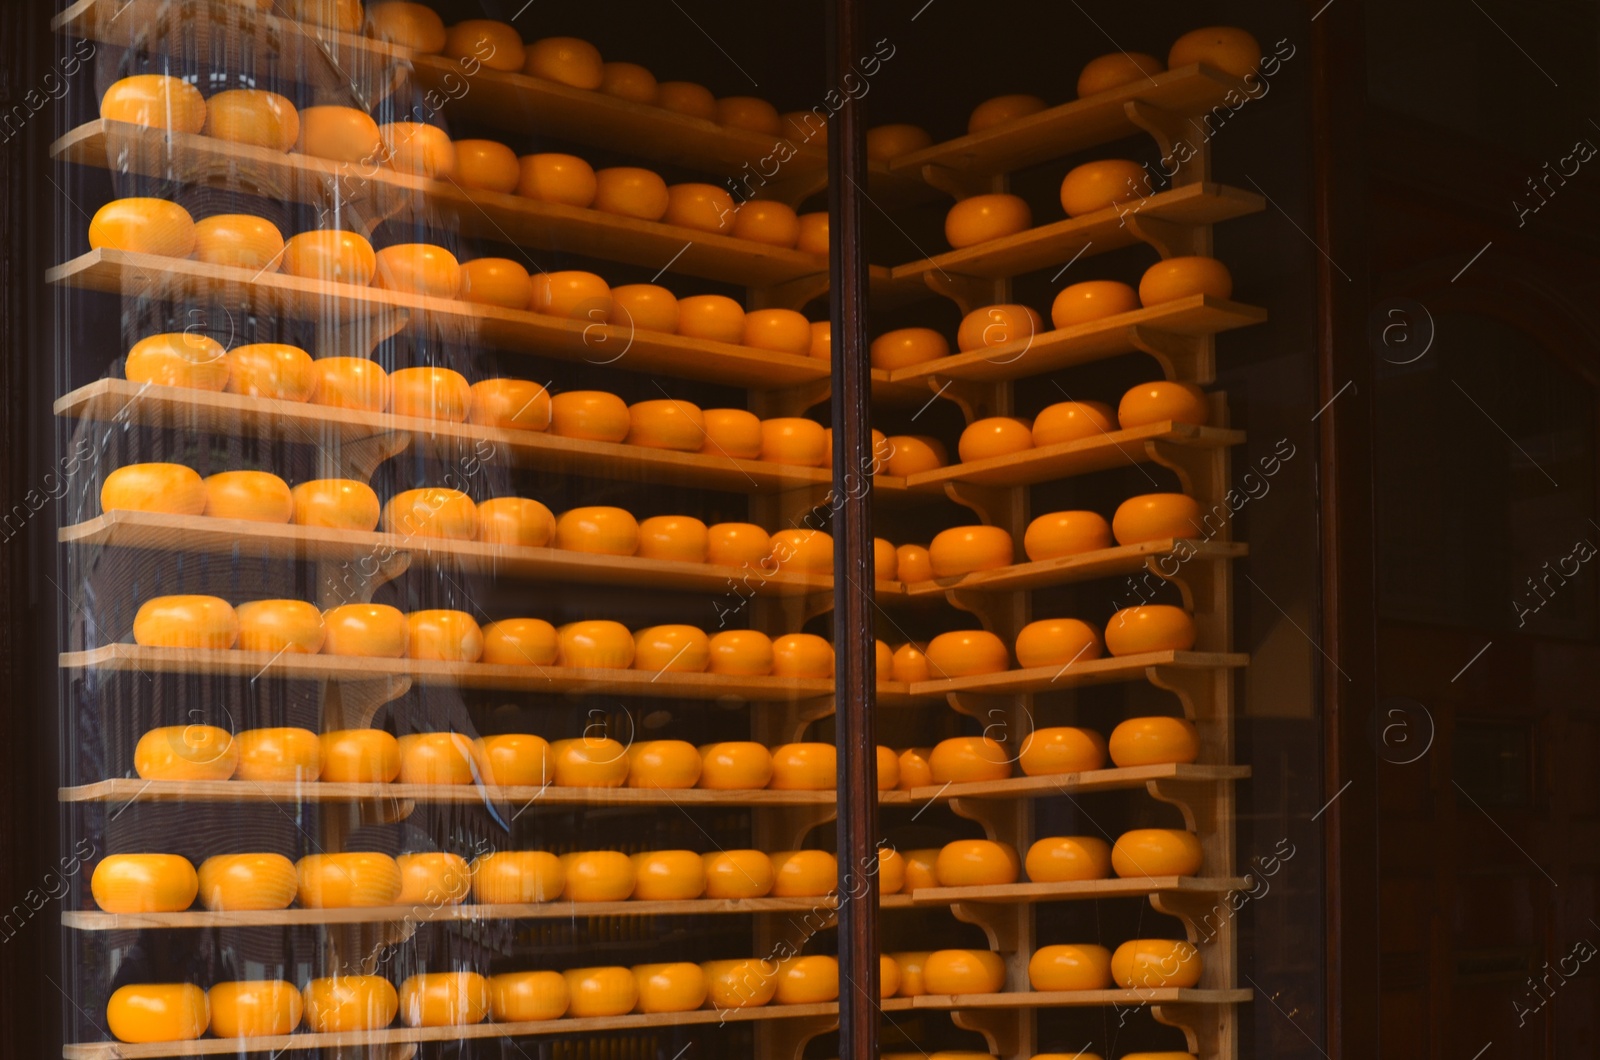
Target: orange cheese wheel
{"x":905,"y":347}
{"x":1149,"y":627}
{"x":1057,"y":642}
{"x":964,"y":549}
{"x":735,"y":766}
{"x":1153,"y":964}
{"x":254,"y":117}
{"x":239,"y":240}
{"x":444,"y":999}
{"x":1057,"y":534}
{"x":671,"y":649}
{"x":1061,"y":749}
{"x":813,"y":237}
{"x":589,"y":414}
{"x":254,"y":1008}
{"x":1072,"y":421}
{"x":348,"y":880}
{"x":597,"y":992}
{"x":714,"y":317}
{"x":1156,"y":852}
{"x":912,"y":454}
{"x":495,"y":281}
{"x":668,"y":876}
{"x":599,"y":876}
{"x":910,"y":664}
{"x":513,"y":759}
{"x":349,"y":1003}
{"x":436,"y":758}
{"x":517,"y":404}
{"x":1095,"y":186}
{"x":909,"y":965}
{"x":494,"y":44}
{"x":1058,"y":859}
{"x":629,"y":191}
{"x":368,"y":630}
{"x":994,"y":436}
{"x":807,"y":981}
{"x":891,"y":869}
{"x":430,"y":393}
{"x":247,"y":881}
{"x":681,"y":538}
{"x":883,"y":663}
{"x":271,"y":370}
{"x":793,"y":441}
{"x":564,"y":60}
{"x":144,"y":883}
{"x":967,"y":758}
{"x":742,"y":652}
{"x":1229,"y":49}
{"x":362,"y":756}
{"x":913,"y":564}
{"x":644,"y":307}
{"x":748,"y":112}
{"x":1002,"y":110}
{"x":628,"y":81}
{"x":766,"y":221}
{"x":737,"y":874}
{"x":418,"y":148}
{"x":594,"y":645}
{"x":516,"y":877}
{"x":976,"y":862}
{"x":1158,"y":516}
{"x":340,"y":134}
{"x":602,"y":530}
{"x":803,"y":873}
{"x":418,"y":268}
{"x":919,"y":868}
{"x":1184,"y":277}
{"x":143,"y":226}
{"x":688,"y":98}
{"x":331,"y":255}
{"x":802,"y":655}
{"x":675,"y":987}
{"x":804,"y":767}
{"x":335,"y":503}
{"x":527,"y":997}
{"x":520,"y":642}
{"x":280,"y":626}
{"x":779,"y":330}
{"x":663,"y":764}
{"x":703,"y":207}
{"x":178,"y":359}
{"x":415,"y":27}
{"x":443,"y":635}
{"x":351,"y":383}
{"x":1155,"y":740}
{"x":555,"y":177}
{"x":982,"y":218}
{"x":487,"y":165}
{"x":666,"y":423}
{"x":186,"y":622}
{"x":963,"y":972}
{"x":1115,"y":70}
{"x":886,"y":142}
{"x":171,"y":489}
{"x":1091,"y":300}
{"x":733,"y":433}
{"x":157,"y":1012}
{"x":278,"y":755}
{"x":1070,"y":967}
{"x":821,"y":340}
{"x":515,"y":521}
{"x":998,"y":325}
{"x":885,"y":563}
{"x":156,"y":101}
{"x":1161,"y":401}
{"x":432,"y":512}
{"x":433,"y":879}
{"x":962,"y":653}
{"x":915,"y":772}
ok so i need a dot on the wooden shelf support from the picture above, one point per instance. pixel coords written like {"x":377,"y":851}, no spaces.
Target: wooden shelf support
{"x":1171,"y":239}
{"x":1211,"y":1031}
{"x":1184,"y":155}
{"x":358,"y":336}
{"x":1009,"y":1032}
{"x":967,"y":292}
{"x":1183,"y":358}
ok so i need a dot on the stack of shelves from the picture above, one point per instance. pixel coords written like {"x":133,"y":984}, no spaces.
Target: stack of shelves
{"x":350,"y":692}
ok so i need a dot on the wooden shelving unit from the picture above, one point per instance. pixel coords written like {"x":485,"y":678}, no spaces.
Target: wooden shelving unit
{"x":1180,"y":337}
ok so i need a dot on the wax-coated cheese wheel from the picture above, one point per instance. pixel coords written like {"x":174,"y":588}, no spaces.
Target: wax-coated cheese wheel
{"x":1229,"y":49}
{"x":1153,"y":964}
{"x":1148,"y":628}
{"x":375,"y":631}
{"x":1156,"y":852}
{"x":981,"y":218}
{"x":170,"y":489}
{"x":1061,"y":749}
{"x":182,"y":358}
{"x":1058,"y":534}
{"x":247,"y":881}
{"x":737,"y":874}
{"x":340,"y":134}
{"x":335,"y":503}
{"x":963,"y":653}
{"x":1058,"y":859}
{"x":1156,"y":740}
{"x":1095,"y":186}
{"x":1115,"y":70}
{"x":556,"y":177}
{"x":527,"y":997}
{"x":963,"y":972}
{"x":1070,"y":967}
{"x":599,"y":876}
{"x":360,"y":756}
{"x":254,"y":1008}
{"x":564,"y":60}
{"x":1057,"y":642}
{"x":254,"y":117}
{"x":1002,"y":110}
{"x":156,"y":101}
{"x":514,"y":877}
{"x":668,"y":876}
{"x":144,"y":883}
{"x":444,"y":999}
{"x":157,"y":1012}
{"x":349,"y":1003}
{"x":186,"y":622}
{"x":330,"y":255}
{"x":348,"y":880}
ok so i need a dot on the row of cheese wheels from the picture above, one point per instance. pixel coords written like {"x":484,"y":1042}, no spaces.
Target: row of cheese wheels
{"x":169,"y":883}
{"x":445,"y":635}
{"x":372,"y":756}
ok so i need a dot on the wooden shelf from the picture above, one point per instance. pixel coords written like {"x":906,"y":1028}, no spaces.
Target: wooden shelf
{"x":194,"y":159}
{"x":1047,"y":463}
{"x":1068,"y":783}
{"x":1050,"y":351}
{"x":1061,"y":130}
{"x":1064,"y":570}
{"x":1053,"y":245}
{"x":1083,"y":998}
{"x":276,"y":1044}
{"x":1027,"y":893}
{"x":1091,"y":672}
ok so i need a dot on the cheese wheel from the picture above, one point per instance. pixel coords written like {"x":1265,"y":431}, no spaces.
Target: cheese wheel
{"x":910,"y":965}
{"x":444,"y":999}
{"x":433,"y":879}
{"x":914,"y":769}
{"x":687,"y":98}
{"x":254,"y":117}
{"x":629,"y":191}
{"x":375,"y":631}
{"x":430,"y":393}
{"x":807,"y":981}
{"x":821,"y":340}
{"x":963,"y":972}
{"x":1070,"y":967}
{"x":891,"y":870}
{"x":143,"y":226}
{"x":982,"y":218}
{"x":703,"y":207}
{"x":1149,"y":628}
{"x":520,"y":642}
{"x":645,"y":307}
{"x":157,"y":1012}
{"x":180,"y":358}
{"x":254,"y":1008}
{"x":888,"y":142}
{"x":742,"y":652}
{"x":1162,"y":401}
{"x":247,"y":882}
{"x":418,"y":268}
{"x":350,"y":383}
{"x":555,"y":177}
{"x":418,"y":148}
{"x":1157,"y":740}
{"x":596,"y":644}
{"x":589,"y":414}
{"x":1154,"y":964}
{"x":1057,"y":642}
{"x":443,"y":635}
{"x":913,"y":454}
{"x":671,"y":649}
{"x":564,"y":60}
{"x":357,"y":879}
{"x":360,"y":756}
{"x":1228,"y":48}
{"x":515,"y":521}
{"x":1061,"y":749}
{"x":714,"y":317}
{"x":976,"y":863}
{"x":527,"y":997}
{"x":1149,"y":852}
{"x":969,"y":758}
{"x":239,"y":240}
{"x":494,"y":44}
{"x":666,"y":423}
{"x":675,"y":987}
{"x":1058,"y":534}
{"x":803,"y":873}
{"x":253,"y":496}
{"x":813,"y":237}
{"x":516,"y":877}
{"x":514,"y":759}
{"x":602,"y":530}
{"x":628,"y":81}
{"x":1002,"y":110}
{"x":515,"y":404}
{"x":487,"y":165}
{"x":170,"y":489}
{"x":1095,"y":186}
{"x":330,"y":255}
{"x":1158,"y":516}
{"x":793,"y":441}
{"x":343,"y":15}
{"x":802,"y":655}
{"x":1059,"y":859}
{"x":663,"y":764}
{"x":668,"y":876}
{"x":1092,"y":300}
{"x":495,"y":281}
{"x":1115,"y":70}
{"x":144,"y":883}
{"x":349,"y":1003}
{"x":415,"y":27}
{"x":964,"y":549}
{"x":737,"y":874}
{"x":597,"y":992}
{"x":340,"y":134}
{"x":905,"y":347}
{"x":767,"y":221}
{"x":779,"y":330}
{"x":735,"y":766}
{"x":998,"y":325}
{"x":1072,"y":421}
{"x":994,"y":436}
{"x":432,"y":512}
{"x":804,"y":767}
{"x":335,"y":503}
{"x":732,"y":433}
{"x":750,"y":113}
{"x":599,"y":876}
{"x":205,"y":622}
{"x":910,"y":664}
{"x":963,"y":653}
{"x":681,"y":538}
{"x":156,"y":101}
{"x":436,"y":758}
{"x":280,"y":626}
{"x":271,"y":370}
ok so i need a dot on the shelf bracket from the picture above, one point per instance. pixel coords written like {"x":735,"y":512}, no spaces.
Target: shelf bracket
{"x":992,"y":504}
{"x":967,"y":292}
{"x":355,"y":582}
{"x":1198,"y":468}
{"x":1185,"y":160}
{"x":1204,"y":917}
{"x":353,"y":704}
{"x":1000,"y":921}
{"x":1200,"y":803}
{"x":791,"y":400}
{"x":787,"y":1039}
{"x":794,"y":190}
{"x":360,"y":458}
{"x":1183,"y":358}
{"x":359,"y":336}
{"x":975,"y":400}
{"x":1004,"y":1029}
{"x":790,"y":294}
{"x":1203,"y":693}
{"x":1171,"y":239}
{"x":956,"y":183}
{"x":991,"y":609}
{"x":1211,"y":1031}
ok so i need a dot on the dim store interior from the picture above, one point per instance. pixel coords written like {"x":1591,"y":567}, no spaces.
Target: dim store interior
{"x":1389,"y":455}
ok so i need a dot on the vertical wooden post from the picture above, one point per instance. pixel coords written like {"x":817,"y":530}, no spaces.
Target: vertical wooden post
{"x":855,"y":679}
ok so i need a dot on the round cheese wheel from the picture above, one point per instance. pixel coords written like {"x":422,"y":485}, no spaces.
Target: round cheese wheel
{"x":436,"y":758}
{"x":487,"y":165}
{"x":779,"y":330}
{"x":671,"y":649}
{"x":803,"y":873}
{"x":888,"y":142}
{"x":157,"y":1012}
{"x":964,"y":549}
{"x":360,"y":756}
{"x":433,"y":878}
{"x":703,"y":207}
{"x":375,"y":631}
{"x":666,"y":423}
{"x":1057,"y":642}
{"x":331,"y":255}
{"x":520,"y":642}
{"x":495,"y":281}
{"x":1092,"y":300}
{"x":178,"y":359}
{"x":564,"y":60}
{"x":804,"y":767}
{"x":156,"y":101}
{"x":732,"y":433}
{"x":821,"y":340}
{"x":144,"y":883}
{"x":802,"y":655}
{"x":571,"y":295}
{"x":1002,"y":110}
{"x":963,"y":972}
{"x":687,"y":98}
{"x":253,"y":116}
{"x":186,"y":752}
{"x":555,"y":177}
{"x":415,"y":27}
{"x":239,"y":240}
{"x":813,"y":237}
{"x":994,"y":436}
{"x":737,"y":874}
{"x":350,"y":383}
{"x":206,"y":622}
{"x":515,"y":521}
{"x":589,"y":414}
{"x":1149,"y":627}
{"x":629,"y":191}
{"x":915,"y":772}
{"x":905,"y":347}
{"x":517,"y":877}
{"x":982,"y":218}
{"x":348,"y":880}
{"x":1162,"y":401}
{"x":910,"y":664}
{"x":910,"y":965}
{"x":676,"y":987}
{"x":1059,"y":859}
{"x":272,"y":370}
{"x":885,"y":565}
{"x":494,"y":44}
{"x":514,"y":760}
{"x":748,"y":112}
{"x":963,"y":653}
{"x":1072,"y":421}
{"x":1070,"y":967}
{"x":976,"y":863}
{"x":913,"y":454}
{"x":681,"y":538}
{"x":920,"y":865}
{"x":254,"y":1008}
{"x":766,"y":221}
{"x":527,"y":997}
{"x":663,"y":764}
{"x":628,"y":81}
{"x":418,"y":268}
{"x":1061,"y":749}
{"x":644,"y":307}
{"x":1156,"y":517}
{"x":737,"y":984}
{"x":418,"y":148}
{"x":1156,"y":740}
{"x":998,"y":325}
{"x":793,"y":441}
{"x":1095,"y":186}
{"x":443,"y":635}
{"x":807,"y":981}
{"x":345,"y":1003}
{"x":969,"y":758}
{"x":143,"y":226}
{"x":891,"y":871}
{"x":1057,"y":534}
{"x":735,"y":766}
{"x":594,"y":645}
{"x":335,"y":503}
{"x":1115,"y":70}
{"x":607,"y":531}
{"x":247,"y":881}
{"x":171,"y":489}
{"x":430,"y":393}
{"x":1228,"y":48}
{"x":1153,"y":852}
{"x":741,"y":652}
{"x":713,"y":317}
{"x":432,"y":512}
{"x":599,"y":876}
{"x":1154,"y":964}
{"x":339,"y":134}
{"x":444,"y":999}
{"x":668,"y":876}
{"x":280,"y":626}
